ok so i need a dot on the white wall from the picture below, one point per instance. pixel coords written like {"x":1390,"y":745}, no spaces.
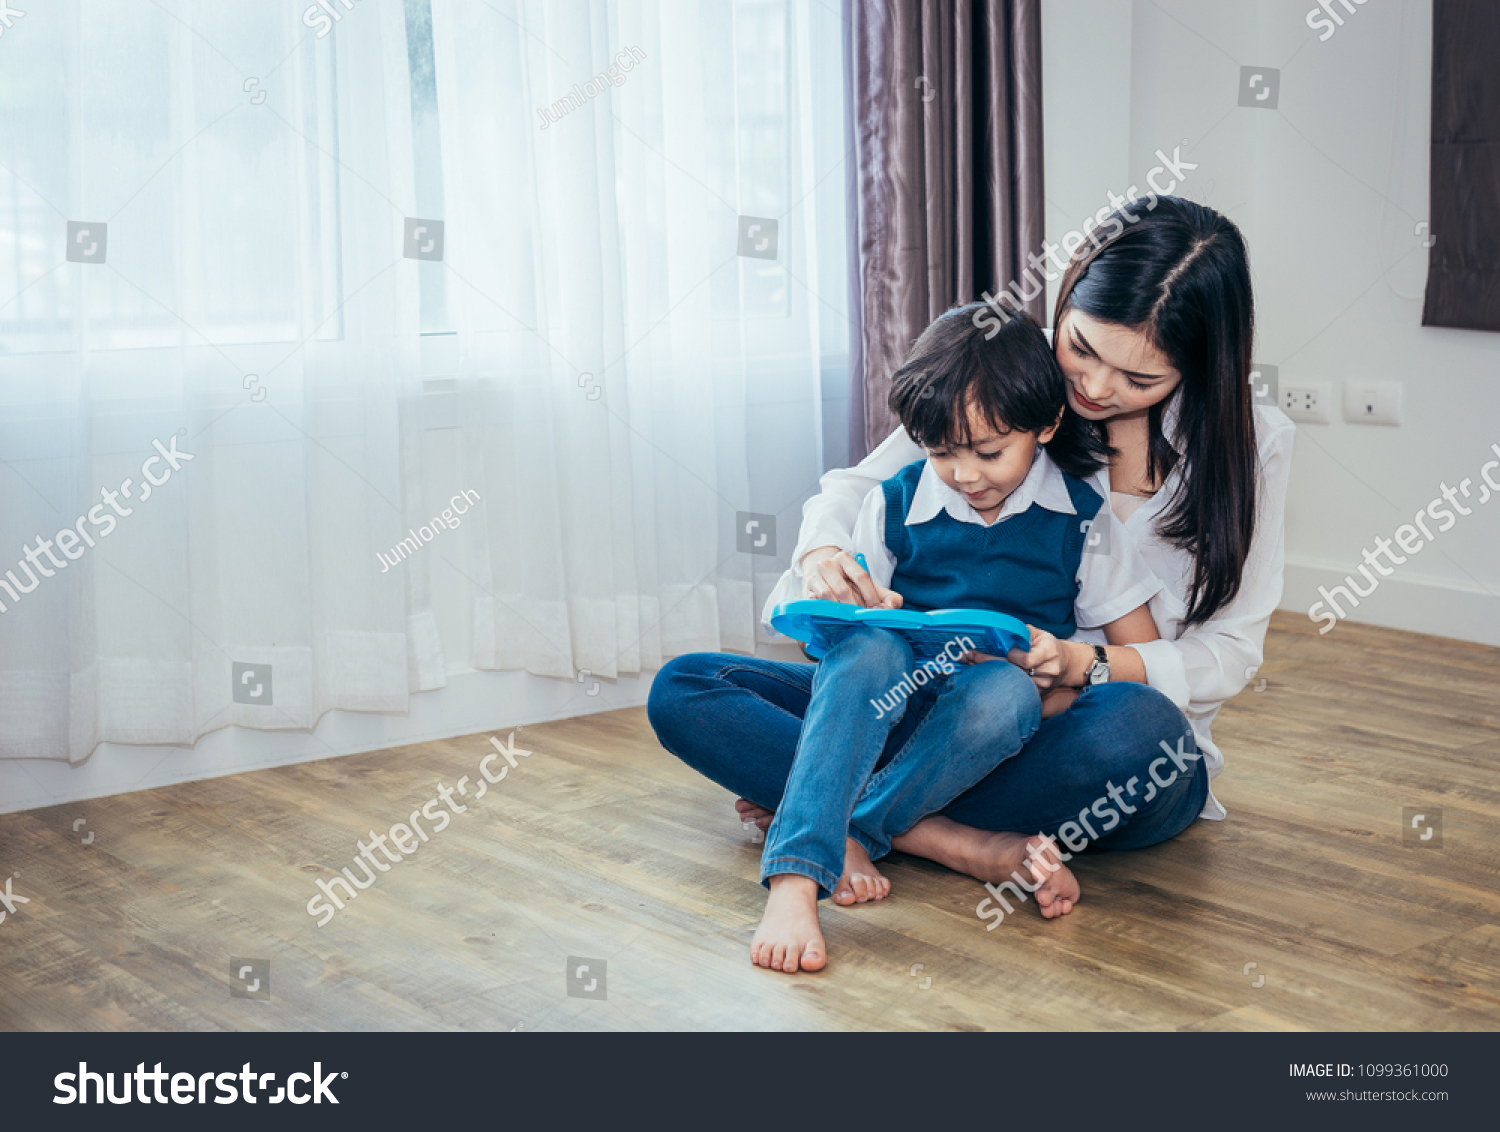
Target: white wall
{"x":1328,"y":189}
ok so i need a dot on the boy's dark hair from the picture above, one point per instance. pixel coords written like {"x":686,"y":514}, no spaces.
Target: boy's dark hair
{"x":1009,"y":373}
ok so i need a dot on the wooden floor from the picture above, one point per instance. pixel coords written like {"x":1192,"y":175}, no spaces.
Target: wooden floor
{"x":601,"y":847}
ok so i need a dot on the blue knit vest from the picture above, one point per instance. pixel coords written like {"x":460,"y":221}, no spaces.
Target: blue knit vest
{"x":1026,"y":566}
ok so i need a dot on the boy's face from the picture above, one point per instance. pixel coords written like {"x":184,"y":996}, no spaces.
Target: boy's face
{"x":991,"y":466}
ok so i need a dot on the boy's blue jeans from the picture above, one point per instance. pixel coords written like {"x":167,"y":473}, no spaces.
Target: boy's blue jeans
{"x":970,"y":721}
{"x":738,"y":720}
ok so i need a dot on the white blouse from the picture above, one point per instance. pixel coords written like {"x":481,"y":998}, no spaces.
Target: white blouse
{"x":1198,"y":668}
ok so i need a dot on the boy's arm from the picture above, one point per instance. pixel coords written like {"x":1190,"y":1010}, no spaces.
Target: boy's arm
{"x":867,"y":538}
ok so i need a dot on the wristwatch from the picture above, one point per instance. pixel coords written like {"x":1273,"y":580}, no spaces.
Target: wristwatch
{"x":1098,"y":672}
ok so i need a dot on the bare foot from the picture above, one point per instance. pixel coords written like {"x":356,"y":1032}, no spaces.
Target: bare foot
{"x":1057,"y":889}
{"x":861,"y":881}
{"x":993,"y":857}
{"x":750,"y":812}
{"x":789,"y":938}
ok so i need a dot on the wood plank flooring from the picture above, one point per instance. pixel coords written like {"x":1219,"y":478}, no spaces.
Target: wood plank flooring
{"x":600,"y":849}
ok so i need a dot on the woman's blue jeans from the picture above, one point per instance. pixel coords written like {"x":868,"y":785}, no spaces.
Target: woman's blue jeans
{"x":971,"y":718}
{"x":1120,"y":765}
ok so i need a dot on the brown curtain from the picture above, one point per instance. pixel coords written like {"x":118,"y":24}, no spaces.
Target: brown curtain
{"x":945,"y":190}
{"x":1463,"y":265}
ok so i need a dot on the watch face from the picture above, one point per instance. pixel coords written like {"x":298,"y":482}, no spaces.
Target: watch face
{"x":1099,"y":673}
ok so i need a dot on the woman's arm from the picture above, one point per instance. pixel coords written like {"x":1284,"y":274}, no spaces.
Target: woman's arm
{"x":1114,"y":592}
{"x":1209,"y":664}
{"x":823,"y":558}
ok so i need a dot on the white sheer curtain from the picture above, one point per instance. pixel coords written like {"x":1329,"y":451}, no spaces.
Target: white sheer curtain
{"x":608,"y":325}
{"x":246,"y":242}
{"x":253,"y":307}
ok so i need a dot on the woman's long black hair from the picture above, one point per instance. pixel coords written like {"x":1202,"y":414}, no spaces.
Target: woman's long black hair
{"x":1180,"y":274}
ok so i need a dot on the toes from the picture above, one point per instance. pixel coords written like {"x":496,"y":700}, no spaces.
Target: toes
{"x":1057,"y":906}
{"x":813,"y":958}
{"x":844,"y":895}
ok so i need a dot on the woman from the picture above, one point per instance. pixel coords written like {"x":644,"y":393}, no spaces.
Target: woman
{"x":1153,"y":329}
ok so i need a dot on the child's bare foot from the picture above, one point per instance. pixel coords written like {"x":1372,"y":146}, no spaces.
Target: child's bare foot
{"x":861,"y":881}
{"x":750,"y":812}
{"x":993,"y":857}
{"x":1058,"y":890}
{"x":789,"y":938}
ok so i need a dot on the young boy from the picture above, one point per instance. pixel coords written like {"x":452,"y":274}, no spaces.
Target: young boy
{"x":989,"y":520}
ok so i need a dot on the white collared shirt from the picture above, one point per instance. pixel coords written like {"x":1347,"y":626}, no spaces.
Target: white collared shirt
{"x":1198,"y":667}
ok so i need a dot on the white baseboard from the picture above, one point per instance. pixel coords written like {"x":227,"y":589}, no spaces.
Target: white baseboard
{"x":1422,"y":605}
{"x":473,"y":702}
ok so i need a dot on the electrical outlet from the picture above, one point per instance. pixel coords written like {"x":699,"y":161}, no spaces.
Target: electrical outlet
{"x":1372,"y":402}
{"x":1307,"y":403}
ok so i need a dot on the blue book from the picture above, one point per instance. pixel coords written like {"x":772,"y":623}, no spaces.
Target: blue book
{"x":820,"y":625}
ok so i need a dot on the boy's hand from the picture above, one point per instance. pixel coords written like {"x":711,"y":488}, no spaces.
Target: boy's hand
{"x":1046,"y":662}
{"x":830,"y":574}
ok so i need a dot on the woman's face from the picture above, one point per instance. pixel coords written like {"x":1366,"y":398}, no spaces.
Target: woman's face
{"x":1112,"y":370}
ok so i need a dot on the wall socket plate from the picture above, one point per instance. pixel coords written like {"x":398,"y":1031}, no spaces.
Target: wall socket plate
{"x":1309,"y":403}
{"x":1372,"y":402}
